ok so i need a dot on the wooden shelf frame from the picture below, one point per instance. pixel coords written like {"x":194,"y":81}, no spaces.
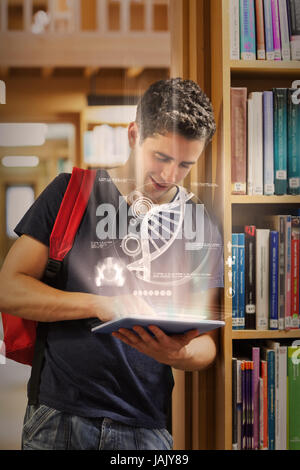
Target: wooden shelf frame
{"x":223,"y":71}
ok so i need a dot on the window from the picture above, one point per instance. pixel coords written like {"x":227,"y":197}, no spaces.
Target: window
{"x":18,"y":200}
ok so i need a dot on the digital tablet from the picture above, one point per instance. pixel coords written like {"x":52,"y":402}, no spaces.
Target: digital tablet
{"x":168,"y":324}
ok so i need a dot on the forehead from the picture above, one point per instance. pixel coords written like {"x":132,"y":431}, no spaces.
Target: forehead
{"x":175,"y":145}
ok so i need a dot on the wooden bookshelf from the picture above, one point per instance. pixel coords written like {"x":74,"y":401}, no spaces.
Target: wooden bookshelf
{"x":224,"y":74}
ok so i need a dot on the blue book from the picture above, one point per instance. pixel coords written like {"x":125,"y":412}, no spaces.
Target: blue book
{"x":293,"y":144}
{"x":235,"y":263}
{"x":280,"y":140}
{"x":268,"y":143}
{"x":270,"y":358}
{"x":241,"y":281}
{"x":274,"y":247}
{"x":268,"y":30}
{"x":247,"y":30}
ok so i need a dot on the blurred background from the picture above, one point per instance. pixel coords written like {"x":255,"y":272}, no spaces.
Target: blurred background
{"x":73,"y":71}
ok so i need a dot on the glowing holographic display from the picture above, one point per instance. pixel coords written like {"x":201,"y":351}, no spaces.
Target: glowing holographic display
{"x":110,"y":273}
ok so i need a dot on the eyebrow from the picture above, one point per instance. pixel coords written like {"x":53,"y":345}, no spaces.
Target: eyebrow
{"x":168,"y":157}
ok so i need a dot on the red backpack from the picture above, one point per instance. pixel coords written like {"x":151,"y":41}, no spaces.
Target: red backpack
{"x":22,"y":342}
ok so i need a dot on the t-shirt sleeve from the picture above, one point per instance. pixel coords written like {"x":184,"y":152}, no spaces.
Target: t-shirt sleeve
{"x":39,"y":219}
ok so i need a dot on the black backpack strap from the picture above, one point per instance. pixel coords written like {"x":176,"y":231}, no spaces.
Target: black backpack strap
{"x":33,"y":386}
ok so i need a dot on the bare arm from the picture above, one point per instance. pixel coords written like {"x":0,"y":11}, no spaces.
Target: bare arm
{"x":24,"y":295}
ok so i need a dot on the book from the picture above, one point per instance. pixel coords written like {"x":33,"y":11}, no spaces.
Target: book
{"x":264,"y":400}
{"x":268,"y":30}
{"x":284,"y":30}
{"x":250,"y":277}
{"x":256,"y":142}
{"x":287,"y":245}
{"x":235,"y":29}
{"x":262,"y":278}
{"x":280,"y":394}
{"x":293,"y":160}
{"x":269,"y":356}
{"x":247,"y":30}
{"x":238,"y":97}
{"x":241,"y":281}
{"x":294,"y":17}
{"x":293,"y":367}
{"x":255,"y":395}
{"x":235,"y":264}
{"x":295,"y":271}
{"x":274,"y":246}
{"x":234,"y":405}
{"x":260,"y":30}
{"x":276,"y":29}
{"x":277,"y":223}
{"x":239,"y":405}
{"x":250,"y":146}
{"x":280,"y":140}
{"x":268,"y":143}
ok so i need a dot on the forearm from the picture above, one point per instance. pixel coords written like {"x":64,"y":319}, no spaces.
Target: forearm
{"x":31,"y":299}
{"x":198,"y":354}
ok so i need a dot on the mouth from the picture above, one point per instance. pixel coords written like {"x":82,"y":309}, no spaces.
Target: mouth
{"x":159,"y":187}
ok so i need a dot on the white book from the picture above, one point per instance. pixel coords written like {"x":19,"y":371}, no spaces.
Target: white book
{"x":234,"y":30}
{"x":295,"y":47}
{"x":250,"y":148}
{"x":284,"y":30}
{"x":257,"y":143}
{"x":262,"y":278}
{"x":268,"y":143}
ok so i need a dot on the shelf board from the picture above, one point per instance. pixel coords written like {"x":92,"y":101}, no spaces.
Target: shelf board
{"x":257,"y":334}
{"x":266,"y":66}
{"x":265,"y":199}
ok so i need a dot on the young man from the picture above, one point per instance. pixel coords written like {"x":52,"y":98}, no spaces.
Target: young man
{"x":112,"y":391}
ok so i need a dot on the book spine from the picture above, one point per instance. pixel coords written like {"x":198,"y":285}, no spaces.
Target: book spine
{"x":261,"y":413}
{"x":260,"y":30}
{"x":251,"y":430}
{"x":280,"y":140}
{"x":269,"y":30}
{"x":257,"y":143}
{"x":234,"y":30}
{"x":293,"y":398}
{"x":274,"y":238}
{"x":264,"y":375}
{"x":268,"y":143}
{"x":250,"y":154}
{"x":284,"y":30}
{"x":293,"y":159}
{"x":250,"y":278}
{"x":288,"y":315}
{"x":247,"y":30}
{"x":282,"y":397}
{"x":281,"y":276}
{"x":239,"y":405}
{"x":294,"y":17}
{"x":295,"y":268}
{"x":271,"y":399}
{"x":255,"y":395}
{"x":235,"y":265}
{"x":262,"y":278}
{"x":276,"y":29}
{"x":277,"y":407}
{"x":238,"y":140}
{"x":241,"y":281}
{"x":243,"y":437}
{"x":234,"y":403}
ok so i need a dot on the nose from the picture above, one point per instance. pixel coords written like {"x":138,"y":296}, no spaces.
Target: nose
{"x":169,"y":173}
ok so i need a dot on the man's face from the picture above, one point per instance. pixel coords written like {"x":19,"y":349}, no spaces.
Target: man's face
{"x":162,"y":161}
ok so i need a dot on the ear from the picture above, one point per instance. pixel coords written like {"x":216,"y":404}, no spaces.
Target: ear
{"x":133,"y":134}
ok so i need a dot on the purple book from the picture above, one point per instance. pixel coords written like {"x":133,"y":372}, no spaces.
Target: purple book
{"x":243,"y":374}
{"x":276,"y":29}
{"x":255,"y":395}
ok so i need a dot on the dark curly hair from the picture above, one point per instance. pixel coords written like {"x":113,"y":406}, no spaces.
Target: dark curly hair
{"x":178,"y":106}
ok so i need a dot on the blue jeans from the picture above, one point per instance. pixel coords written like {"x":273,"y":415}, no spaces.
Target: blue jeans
{"x":49,"y":429}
